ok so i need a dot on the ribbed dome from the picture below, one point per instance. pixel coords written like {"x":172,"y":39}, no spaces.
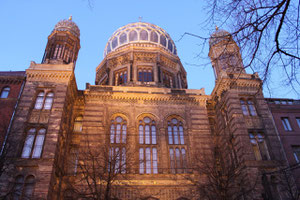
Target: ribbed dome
{"x":140,"y":32}
{"x":67,"y":25}
{"x":218,"y":36}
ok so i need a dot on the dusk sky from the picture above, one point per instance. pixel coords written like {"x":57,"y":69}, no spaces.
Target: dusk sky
{"x":26,"y":24}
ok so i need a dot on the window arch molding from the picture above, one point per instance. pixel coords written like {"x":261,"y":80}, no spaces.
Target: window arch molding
{"x":178,"y":117}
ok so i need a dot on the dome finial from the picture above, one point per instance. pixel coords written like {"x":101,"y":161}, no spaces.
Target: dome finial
{"x":70,"y":18}
{"x":140,"y":18}
{"x":217,"y":28}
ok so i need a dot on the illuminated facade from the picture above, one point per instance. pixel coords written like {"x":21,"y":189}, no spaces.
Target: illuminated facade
{"x":140,"y":112}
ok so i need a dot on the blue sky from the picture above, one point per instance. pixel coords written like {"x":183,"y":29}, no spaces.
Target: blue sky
{"x":26,"y":24}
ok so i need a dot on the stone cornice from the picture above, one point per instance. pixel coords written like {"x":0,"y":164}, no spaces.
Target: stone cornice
{"x":236,"y":81}
{"x":144,"y":94}
{"x":50,"y":72}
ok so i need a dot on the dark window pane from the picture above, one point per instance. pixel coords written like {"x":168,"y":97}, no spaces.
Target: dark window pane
{"x":140,"y":75}
{"x":123,"y":38}
{"x":114,"y":42}
{"x":163,"y":40}
{"x":145,"y":76}
{"x":133,"y":36}
{"x":153,"y":37}
{"x":143,"y":35}
{"x":170,"y":46}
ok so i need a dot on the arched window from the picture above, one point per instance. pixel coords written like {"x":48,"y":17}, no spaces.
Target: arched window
{"x":78,"y":124}
{"x":123,"y":38}
{"x":5,"y":92}
{"x":117,"y":152}
{"x":148,"y":149}
{"x":44,"y":102}
{"x":248,"y":107}
{"x":34,"y":143}
{"x":177,"y":148}
{"x":23,"y":190}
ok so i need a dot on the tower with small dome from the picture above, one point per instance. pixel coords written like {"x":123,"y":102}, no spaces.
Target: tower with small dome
{"x":63,"y":43}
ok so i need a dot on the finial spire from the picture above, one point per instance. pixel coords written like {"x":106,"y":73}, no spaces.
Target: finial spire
{"x":140,"y":18}
{"x":217,"y":28}
{"x":70,"y":18}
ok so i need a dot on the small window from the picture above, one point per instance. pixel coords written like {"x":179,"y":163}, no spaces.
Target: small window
{"x":48,"y":101}
{"x":34,"y":142}
{"x":248,"y":107}
{"x":5,"y":93}
{"x":78,"y":124}
{"x":121,"y":76}
{"x":153,"y":37}
{"x":296,"y":150}
{"x":260,"y":150}
{"x":114,"y":42}
{"x":143,"y":35}
{"x":163,"y":40}
{"x":298,"y":121}
{"x":44,"y":102}
{"x":133,"y":36}
{"x":23,"y":190}
{"x":145,"y":75}
{"x":286,"y":124}
{"x":123,"y":38}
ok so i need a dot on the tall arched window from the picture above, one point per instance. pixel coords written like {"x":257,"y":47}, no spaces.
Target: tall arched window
{"x":78,"y":124}
{"x":117,"y":153}
{"x":5,"y":92}
{"x":34,"y":143}
{"x":148,"y":146}
{"x":177,"y":147}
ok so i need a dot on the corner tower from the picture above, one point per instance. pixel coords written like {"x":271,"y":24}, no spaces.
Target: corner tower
{"x":63,"y":43}
{"x":42,"y":120}
{"x":242,"y":118}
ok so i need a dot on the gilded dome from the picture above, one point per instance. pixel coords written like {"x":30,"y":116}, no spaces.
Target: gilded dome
{"x":140,"y":32}
{"x":218,"y":36}
{"x":67,"y":25}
